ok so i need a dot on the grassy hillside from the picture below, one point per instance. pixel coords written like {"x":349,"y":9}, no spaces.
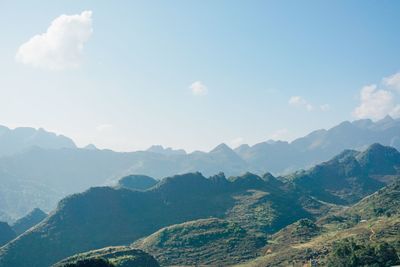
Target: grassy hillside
{"x":350,"y":176}
{"x":202,"y":242}
{"x":360,"y":225}
{"x":107,"y":216}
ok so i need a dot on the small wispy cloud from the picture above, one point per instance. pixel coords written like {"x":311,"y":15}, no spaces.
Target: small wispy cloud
{"x":301,"y":102}
{"x":325,"y":107}
{"x":298,"y":101}
{"x":198,"y":88}
{"x":393,"y":81}
{"x":61,"y":46}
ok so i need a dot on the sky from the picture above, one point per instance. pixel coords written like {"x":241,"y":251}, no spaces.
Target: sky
{"x":126,"y":75}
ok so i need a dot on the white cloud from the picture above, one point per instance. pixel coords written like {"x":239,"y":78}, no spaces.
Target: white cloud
{"x":301,"y":102}
{"x":376,"y":103}
{"x":198,"y":88}
{"x":393,"y":81}
{"x":298,"y":101}
{"x":61,"y":46}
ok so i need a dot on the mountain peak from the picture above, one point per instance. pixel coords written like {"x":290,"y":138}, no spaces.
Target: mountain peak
{"x":378,"y":150}
{"x":248,"y":180}
{"x":179,"y":185}
{"x":90,"y":147}
{"x":137,"y":182}
{"x":155,"y":148}
{"x":31,"y":219}
{"x":219,"y":179}
{"x":221,"y":148}
{"x":387,"y":118}
{"x":380,"y":159}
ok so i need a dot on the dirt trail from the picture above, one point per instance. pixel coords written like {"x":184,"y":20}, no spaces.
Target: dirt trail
{"x":372,"y":234}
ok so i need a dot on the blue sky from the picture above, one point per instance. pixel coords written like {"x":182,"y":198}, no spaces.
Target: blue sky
{"x":264,"y":69}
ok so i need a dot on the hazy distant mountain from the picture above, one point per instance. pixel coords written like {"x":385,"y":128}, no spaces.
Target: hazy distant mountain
{"x":320,"y":145}
{"x":19,"y":139}
{"x":108,"y":216}
{"x":31,"y":219}
{"x":47,"y":175}
{"x":91,"y":147}
{"x":19,"y":196}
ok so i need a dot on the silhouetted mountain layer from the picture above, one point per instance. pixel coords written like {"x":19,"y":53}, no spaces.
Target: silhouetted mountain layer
{"x":107,"y":216}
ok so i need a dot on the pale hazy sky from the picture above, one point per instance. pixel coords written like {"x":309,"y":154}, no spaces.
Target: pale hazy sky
{"x":192,"y":74}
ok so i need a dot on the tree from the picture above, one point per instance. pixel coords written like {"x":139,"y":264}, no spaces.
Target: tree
{"x":95,"y":262}
{"x":348,"y":253}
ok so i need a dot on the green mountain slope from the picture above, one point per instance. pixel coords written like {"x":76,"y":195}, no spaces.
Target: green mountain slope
{"x":113,"y":257}
{"x":350,"y":176}
{"x":371,"y":224}
{"x":202,"y":242}
{"x":106,"y":216}
{"x":6,"y":233}
{"x":137,"y":182}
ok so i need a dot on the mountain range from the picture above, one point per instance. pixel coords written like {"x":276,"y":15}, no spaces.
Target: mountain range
{"x":247,"y":210}
{"x":13,"y":141}
{"x":47,"y":167}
